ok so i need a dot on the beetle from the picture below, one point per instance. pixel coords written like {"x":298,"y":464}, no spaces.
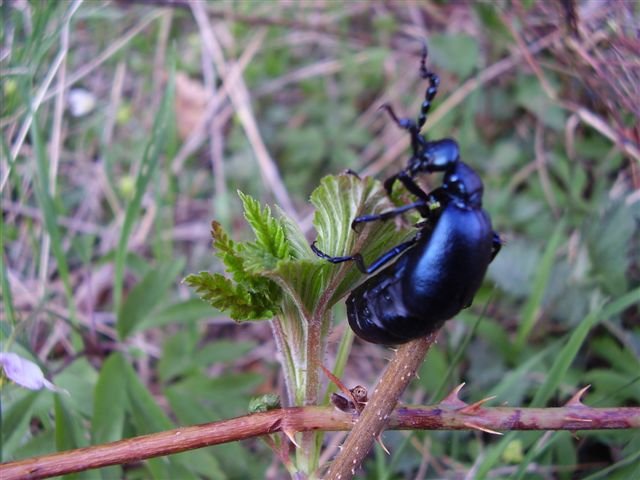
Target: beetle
{"x":438,"y":271}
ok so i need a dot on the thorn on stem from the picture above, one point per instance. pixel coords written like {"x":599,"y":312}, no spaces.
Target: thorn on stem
{"x":475,"y":407}
{"x":576,"y":419}
{"x":291,"y":436}
{"x":453,"y":400}
{"x":576,"y":400}
{"x":379,"y":440}
{"x":482,"y":429}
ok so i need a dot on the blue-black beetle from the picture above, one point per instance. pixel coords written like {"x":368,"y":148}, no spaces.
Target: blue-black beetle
{"x":440,"y":269}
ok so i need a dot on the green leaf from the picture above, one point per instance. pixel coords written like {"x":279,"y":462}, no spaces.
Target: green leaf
{"x":47,"y":203}
{"x":109,"y":409}
{"x":541,"y":280}
{"x":177,"y":355}
{"x":338,"y":200}
{"x":147,"y":416}
{"x":145,"y":296}
{"x":532,"y":97}
{"x":184,"y":312}
{"x":565,"y":357}
{"x":248,"y":295}
{"x":264,"y":403}
{"x":489,"y":15}
{"x":269,"y":232}
{"x":298,"y":244}
{"x":79,"y":379}
{"x":280,"y":258}
{"x":457,"y":53}
{"x":16,"y":416}
{"x":609,"y":241}
{"x":258,"y":300}
{"x":222,"y":351}
{"x":70,"y":432}
{"x":228,"y":251}
{"x":109,"y":405}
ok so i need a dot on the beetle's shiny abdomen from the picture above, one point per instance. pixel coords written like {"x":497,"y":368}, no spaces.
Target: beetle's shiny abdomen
{"x":376,"y":309}
{"x":429,"y":284}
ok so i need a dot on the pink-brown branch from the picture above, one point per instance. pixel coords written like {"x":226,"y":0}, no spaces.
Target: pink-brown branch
{"x":448,"y":415}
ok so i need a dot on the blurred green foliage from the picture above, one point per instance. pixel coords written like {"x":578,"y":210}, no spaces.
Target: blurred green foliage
{"x":559,"y":309}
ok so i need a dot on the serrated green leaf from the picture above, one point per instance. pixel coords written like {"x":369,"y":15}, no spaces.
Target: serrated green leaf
{"x":257,"y":300}
{"x":228,"y":251}
{"x":269,"y":232}
{"x":264,"y":403}
{"x":303,"y":280}
{"x":298,"y":244}
{"x":338,"y":200}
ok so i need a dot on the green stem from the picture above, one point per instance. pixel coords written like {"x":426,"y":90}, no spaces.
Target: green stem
{"x":286,"y":360}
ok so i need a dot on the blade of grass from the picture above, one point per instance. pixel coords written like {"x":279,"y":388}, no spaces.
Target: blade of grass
{"x":460,"y":351}
{"x":633,"y":459}
{"x":540,"y":282}
{"x":555,"y":376}
{"x":553,"y":379}
{"x":147,"y":168}
{"x":38,"y":97}
{"x":46,"y":202}
{"x":7,"y":297}
{"x":145,"y":297}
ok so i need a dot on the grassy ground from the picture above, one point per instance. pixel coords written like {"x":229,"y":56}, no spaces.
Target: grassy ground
{"x":109,"y":184}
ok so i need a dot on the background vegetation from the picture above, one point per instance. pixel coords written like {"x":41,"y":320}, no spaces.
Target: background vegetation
{"x":109,"y":184}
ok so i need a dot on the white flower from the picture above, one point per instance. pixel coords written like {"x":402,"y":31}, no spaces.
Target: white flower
{"x":80,"y":102}
{"x":25,"y":373}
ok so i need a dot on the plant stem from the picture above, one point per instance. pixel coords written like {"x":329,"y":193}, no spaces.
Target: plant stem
{"x":448,"y":415}
{"x":376,"y":414}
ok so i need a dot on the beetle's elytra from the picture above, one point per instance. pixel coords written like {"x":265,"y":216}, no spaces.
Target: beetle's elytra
{"x":438,"y":271}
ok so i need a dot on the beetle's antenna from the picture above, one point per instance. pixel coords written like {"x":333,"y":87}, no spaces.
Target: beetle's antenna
{"x":432,"y":89}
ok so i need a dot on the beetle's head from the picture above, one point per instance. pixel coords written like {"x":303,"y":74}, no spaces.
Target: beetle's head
{"x":437,"y":156}
{"x":463,"y":185}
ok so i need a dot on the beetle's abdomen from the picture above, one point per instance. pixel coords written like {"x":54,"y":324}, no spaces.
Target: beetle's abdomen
{"x":428,"y":285}
{"x":444,"y":273}
{"x":377,"y":311}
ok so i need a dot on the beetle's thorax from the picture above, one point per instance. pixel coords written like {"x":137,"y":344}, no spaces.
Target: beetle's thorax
{"x":463,"y":186}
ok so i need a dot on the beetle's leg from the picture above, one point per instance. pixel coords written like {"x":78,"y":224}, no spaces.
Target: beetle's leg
{"x":379,"y":262}
{"x":408,"y":182}
{"x":419,"y":205}
{"x":385,"y":257}
{"x":331,"y":259}
{"x":406,"y":124}
{"x":495,"y":246}
{"x":356,"y":257}
{"x":349,"y":171}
